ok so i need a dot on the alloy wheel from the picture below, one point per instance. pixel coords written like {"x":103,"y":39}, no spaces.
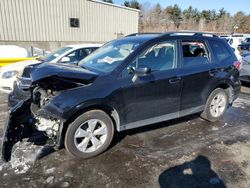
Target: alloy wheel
{"x":90,"y":136}
{"x":218,"y":105}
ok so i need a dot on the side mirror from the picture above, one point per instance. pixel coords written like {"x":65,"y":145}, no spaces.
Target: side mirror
{"x":65,"y":60}
{"x":140,"y":72}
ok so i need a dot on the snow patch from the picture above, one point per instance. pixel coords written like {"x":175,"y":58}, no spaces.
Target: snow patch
{"x":65,"y":184}
{"x":69,"y":174}
{"x":50,"y":179}
{"x":241,"y":102}
{"x":215,"y":128}
{"x":50,"y":170}
{"x":23,"y":156}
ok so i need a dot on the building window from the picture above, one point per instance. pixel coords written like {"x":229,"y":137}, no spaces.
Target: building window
{"x":74,"y":22}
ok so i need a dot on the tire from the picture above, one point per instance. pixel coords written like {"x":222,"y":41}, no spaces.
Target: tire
{"x":94,"y":127}
{"x":210,"y":113}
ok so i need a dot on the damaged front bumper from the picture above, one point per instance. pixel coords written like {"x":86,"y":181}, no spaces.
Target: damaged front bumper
{"x":21,"y":123}
{"x":17,"y":127}
{"x":53,"y":94}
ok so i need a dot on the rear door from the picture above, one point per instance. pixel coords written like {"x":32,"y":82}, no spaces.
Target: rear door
{"x":222,"y":61}
{"x":195,"y":74}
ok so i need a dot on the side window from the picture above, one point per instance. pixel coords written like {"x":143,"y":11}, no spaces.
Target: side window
{"x":83,"y":53}
{"x":86,"y":51}
{"x":90,"y":50}
{"x":74,"y":56}
{"x":195,"y":53}
{"x":159,"y":57}
{"x":79,"y":54}
{"x":221,"y":52}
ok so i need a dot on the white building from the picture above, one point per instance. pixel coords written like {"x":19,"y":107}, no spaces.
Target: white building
{"x":53,"y":23}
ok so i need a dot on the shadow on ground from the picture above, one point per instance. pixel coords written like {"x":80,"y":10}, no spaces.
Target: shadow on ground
{"x":196,"y":173}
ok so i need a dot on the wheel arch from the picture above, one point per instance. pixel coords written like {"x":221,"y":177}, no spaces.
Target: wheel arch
{"x":214,"y":84}
{"x":228,"y":89}
{"x":109,"y":110}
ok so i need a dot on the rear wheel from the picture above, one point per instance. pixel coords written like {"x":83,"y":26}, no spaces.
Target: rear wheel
{"x":90,"y":134}
{"x":216,"y":105}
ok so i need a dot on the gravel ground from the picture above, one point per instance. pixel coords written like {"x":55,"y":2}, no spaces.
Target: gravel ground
{"x":186,"y":152}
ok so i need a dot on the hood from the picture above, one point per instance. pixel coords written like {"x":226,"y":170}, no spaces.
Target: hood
{"x":63,"y":71}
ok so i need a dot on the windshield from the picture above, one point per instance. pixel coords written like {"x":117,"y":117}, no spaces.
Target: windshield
{"x":55,"y":54}
{"x":108,"y":57}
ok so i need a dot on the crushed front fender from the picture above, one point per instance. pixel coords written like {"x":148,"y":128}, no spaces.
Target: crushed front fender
{"x":18,"y":126}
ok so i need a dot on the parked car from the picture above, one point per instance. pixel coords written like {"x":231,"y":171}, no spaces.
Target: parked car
{"x":127,"y":83}
{"x":235,"y":50}
{"x":244,"y":48}
{"x":237,"y":53}
{"x":245,"y":71}
{"x":247,"y":39}
{"x":68,"y":54}
{"x":235,"y":41}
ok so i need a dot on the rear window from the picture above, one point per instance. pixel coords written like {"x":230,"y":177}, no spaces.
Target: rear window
{"x":221,"y":52}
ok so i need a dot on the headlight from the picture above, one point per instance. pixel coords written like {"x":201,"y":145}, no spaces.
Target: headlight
{"x":9,"y":74}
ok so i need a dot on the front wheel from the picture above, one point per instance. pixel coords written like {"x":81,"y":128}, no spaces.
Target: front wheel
{"x":216,"y":105}
{"x":90,"y":134}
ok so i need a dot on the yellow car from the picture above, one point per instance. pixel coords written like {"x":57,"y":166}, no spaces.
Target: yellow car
{"x":12,"y":54}
{"x":6,"y":61}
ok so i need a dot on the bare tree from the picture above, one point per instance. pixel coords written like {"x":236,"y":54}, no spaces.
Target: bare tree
{"x":158,"y":19}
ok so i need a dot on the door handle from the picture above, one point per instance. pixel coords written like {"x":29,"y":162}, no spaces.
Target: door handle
{"x":174,"y":80}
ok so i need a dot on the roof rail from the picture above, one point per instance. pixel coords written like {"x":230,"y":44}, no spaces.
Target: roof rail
{"x":190,"y":33}
{"x":137,"y":34}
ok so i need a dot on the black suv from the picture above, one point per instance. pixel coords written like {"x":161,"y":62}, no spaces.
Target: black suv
{"x":128,"y":83}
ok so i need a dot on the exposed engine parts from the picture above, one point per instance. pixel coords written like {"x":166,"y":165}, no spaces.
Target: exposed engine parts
{"x":41,"y":96}
{"x":51,"y":127}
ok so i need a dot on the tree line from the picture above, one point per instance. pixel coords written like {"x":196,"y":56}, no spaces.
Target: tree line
{"x":159,"y":19}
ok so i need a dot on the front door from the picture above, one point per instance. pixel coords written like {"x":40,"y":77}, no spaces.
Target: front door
{"x":148,"y":99}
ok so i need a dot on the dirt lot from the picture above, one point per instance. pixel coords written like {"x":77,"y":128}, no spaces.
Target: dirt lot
{"x":187,"y":152}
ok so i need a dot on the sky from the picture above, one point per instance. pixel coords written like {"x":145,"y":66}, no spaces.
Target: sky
{"x":232,"y":6}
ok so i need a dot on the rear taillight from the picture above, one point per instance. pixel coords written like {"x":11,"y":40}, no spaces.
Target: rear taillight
{"x":238,"y":65}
